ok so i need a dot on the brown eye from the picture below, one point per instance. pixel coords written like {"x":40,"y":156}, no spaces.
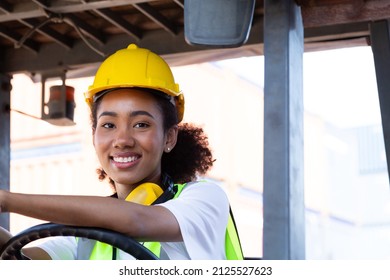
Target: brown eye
{"x":108,"y":125}
{"x":141,"y":125}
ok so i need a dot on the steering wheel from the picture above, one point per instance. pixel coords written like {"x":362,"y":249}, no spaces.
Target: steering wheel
{"x":12,"y":249}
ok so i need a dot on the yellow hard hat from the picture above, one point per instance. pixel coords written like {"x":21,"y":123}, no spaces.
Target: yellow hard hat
{"x":136,"y":67}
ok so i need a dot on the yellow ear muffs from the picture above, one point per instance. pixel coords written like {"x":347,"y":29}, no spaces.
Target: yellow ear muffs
{"x":145,"y":194}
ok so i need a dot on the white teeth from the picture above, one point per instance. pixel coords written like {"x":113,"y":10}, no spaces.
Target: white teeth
{"x":124,"y":159}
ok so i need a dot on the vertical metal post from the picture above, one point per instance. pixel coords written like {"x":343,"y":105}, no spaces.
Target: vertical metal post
{"x":380,"y":45}
{"x":5,"y":132}
{"x":284,"y":210}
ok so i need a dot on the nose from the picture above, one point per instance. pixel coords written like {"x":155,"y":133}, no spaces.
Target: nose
{"x":123,"y":138}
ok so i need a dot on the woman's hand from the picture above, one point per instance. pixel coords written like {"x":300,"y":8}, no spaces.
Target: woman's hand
{"x":1,"y":201}
{"x":33,"y":253}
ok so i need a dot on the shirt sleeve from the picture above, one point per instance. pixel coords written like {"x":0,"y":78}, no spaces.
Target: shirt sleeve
{"x":60,"y":248}
{"x":202,"y":211}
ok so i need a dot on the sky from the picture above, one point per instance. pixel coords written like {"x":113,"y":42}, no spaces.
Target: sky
{"x":339,"y":85}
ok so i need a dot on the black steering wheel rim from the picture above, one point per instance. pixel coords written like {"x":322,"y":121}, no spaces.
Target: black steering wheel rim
{"x":12,"y":249}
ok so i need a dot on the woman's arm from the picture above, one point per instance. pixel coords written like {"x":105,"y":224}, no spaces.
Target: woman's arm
{"x":139,"y":221}
{"x":36,"y":253}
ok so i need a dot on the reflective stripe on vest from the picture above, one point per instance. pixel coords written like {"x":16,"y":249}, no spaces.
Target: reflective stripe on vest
{"x":96,"y":250}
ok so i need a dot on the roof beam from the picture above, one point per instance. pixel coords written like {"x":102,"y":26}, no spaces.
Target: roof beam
{"x":179,"y":2}
{"x":34,"y":8}
{"x":119,"y":22}
{"x":44,"y":30}
{"x":51,"y":59}
{"x":337,"y":32}
{"x":12,"y":36}
{"x":342,"y":12}
{"x":86,"y":28}
{"x":59,"y":6}
{"x":157,"y":17}
{"x":5,"y":6}
{"x":72,"y":20}
{"x":15,"y":38}
{"x":50,"y":33}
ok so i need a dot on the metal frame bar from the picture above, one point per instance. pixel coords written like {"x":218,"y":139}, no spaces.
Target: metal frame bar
{"x":5,"y":140}
{"x":380,"y":45}
{"x":284,"y":218}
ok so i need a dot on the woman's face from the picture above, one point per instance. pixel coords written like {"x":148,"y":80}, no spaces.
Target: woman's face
{"x":129,"y":138}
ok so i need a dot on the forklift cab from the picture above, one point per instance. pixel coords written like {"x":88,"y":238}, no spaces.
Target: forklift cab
{"x":280,"y":30}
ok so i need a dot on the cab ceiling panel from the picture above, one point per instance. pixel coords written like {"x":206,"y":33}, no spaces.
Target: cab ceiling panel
{"x":41,"y":36}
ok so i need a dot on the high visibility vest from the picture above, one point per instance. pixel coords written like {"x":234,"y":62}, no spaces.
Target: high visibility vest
{"x":96,"y":250}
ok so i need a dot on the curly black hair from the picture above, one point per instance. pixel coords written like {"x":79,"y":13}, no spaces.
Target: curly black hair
{"x":191,"y":156}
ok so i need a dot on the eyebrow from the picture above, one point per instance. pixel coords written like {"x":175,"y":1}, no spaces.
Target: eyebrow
{"x":132,"y":114}
{"x":141,"y":113}
{"x":107,"y":113}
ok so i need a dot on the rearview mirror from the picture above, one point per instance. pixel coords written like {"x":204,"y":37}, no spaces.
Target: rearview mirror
{"x":219,"y":23}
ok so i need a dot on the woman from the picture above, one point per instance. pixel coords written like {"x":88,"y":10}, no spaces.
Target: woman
{"x":136,"y":108}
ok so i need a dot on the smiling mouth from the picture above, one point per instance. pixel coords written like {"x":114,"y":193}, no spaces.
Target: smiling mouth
{"x":125,"y":159}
